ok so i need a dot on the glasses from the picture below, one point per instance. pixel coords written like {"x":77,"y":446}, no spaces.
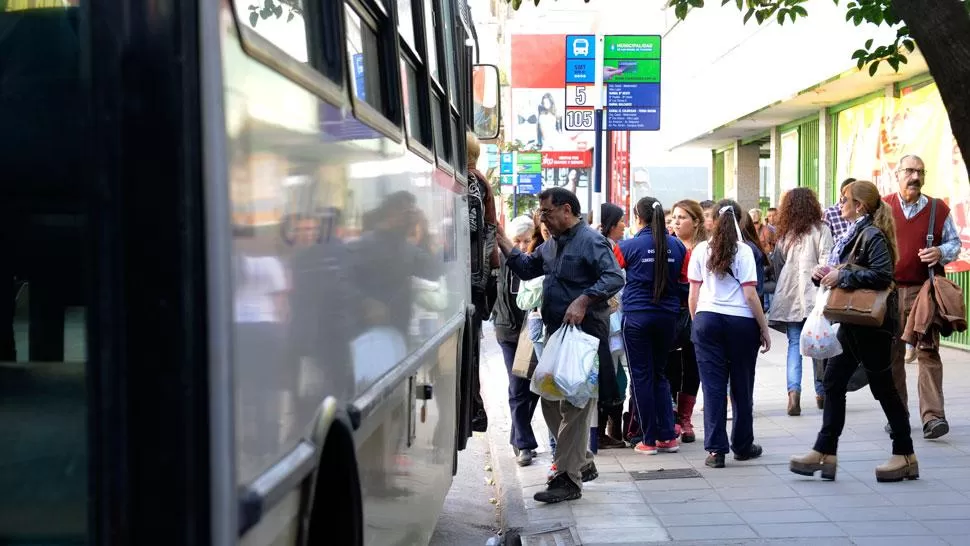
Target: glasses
{"x":546,"y":212}
{"x":908,"y":171}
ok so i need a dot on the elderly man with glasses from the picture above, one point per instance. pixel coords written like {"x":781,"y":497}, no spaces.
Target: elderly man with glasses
{"x":911,"y":212}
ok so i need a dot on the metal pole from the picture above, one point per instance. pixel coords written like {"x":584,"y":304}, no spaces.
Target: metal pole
{"x":597,"y":156}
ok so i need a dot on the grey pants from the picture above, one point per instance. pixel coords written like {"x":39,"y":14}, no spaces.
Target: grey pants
{"x":569,"y":426}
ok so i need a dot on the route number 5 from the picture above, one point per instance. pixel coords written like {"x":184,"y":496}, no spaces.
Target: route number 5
{"x":580,"y":95}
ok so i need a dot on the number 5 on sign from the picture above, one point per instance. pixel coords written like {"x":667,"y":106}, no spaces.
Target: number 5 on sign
{"x":576,"y":95}
{"x":579,"y":119}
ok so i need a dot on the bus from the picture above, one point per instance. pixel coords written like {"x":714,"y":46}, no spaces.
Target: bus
{"x":241,"y":248}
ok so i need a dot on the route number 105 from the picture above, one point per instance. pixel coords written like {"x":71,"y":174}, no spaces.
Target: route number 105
{"x":579,"y":120}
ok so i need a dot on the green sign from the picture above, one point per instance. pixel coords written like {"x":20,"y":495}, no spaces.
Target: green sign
{"x":631,"y":71}
{"x":529,"y":163}
{"x":631,"y":47}
{"x":507,"y":179}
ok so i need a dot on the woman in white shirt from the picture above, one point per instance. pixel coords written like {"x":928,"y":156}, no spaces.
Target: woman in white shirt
{"x":729,"y":326}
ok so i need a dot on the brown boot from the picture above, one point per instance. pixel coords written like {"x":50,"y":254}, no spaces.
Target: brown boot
{"x":685,"y":409}
{"x":808,"y":465}
{"x":794,"y":403}
{"x":898,"y":468}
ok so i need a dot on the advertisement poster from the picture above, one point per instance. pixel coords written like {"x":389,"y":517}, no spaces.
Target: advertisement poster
{"x":874,"y":135}
{"x":538,"y":95}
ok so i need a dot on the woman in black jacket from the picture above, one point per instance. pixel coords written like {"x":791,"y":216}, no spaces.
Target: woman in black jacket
{"x":864,"y":258}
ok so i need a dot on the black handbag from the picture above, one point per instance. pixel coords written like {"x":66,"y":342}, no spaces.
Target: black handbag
{"x":682,"y":329}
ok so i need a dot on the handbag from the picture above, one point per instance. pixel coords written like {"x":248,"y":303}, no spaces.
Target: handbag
{"x":682,"y":330}
{"x":862,"y":306}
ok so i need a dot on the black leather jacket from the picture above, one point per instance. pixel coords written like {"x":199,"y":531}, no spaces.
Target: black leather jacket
{"x":871,"y":267}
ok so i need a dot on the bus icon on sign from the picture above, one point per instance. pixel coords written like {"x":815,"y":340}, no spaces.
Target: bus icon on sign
{"x":580,"y":47}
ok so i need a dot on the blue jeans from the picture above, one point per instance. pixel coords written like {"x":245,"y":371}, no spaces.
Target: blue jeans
{"x":727,"y":350}
{"x":648,"y":337}
{"x":794,"y":330}
{"x":522,"y":402}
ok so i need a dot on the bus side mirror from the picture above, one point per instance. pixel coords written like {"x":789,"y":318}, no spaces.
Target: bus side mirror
{"x":486,"y":93}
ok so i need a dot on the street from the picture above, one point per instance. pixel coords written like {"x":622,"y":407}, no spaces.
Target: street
{"x":752,"y":502}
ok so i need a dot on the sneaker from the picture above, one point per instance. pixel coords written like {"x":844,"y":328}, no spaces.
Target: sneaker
{"x":645,"y":449}
{"x":714,"y":460}
{"x":934,"y":428}
{"x":525,"y":457}
{"x":559,"y":489}
{"x":589,"y":472}
{"x":753,"y":452}
{"x":668,"y":446}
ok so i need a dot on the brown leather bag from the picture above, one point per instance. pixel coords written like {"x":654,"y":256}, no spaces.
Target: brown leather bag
{"x":862,"y":306}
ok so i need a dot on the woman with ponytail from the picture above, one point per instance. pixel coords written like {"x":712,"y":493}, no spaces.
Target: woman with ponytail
{"x":654,"y":263}
{"x":864,"y":258}
{"x":729,"y":326}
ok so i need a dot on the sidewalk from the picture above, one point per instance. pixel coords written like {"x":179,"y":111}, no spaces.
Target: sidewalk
{"x":753,"y":502}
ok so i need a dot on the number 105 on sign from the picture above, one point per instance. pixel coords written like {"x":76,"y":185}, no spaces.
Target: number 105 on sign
{"x":579,"y":119}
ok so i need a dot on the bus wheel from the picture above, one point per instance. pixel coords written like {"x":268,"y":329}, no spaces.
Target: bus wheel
{"x":337,"y":516}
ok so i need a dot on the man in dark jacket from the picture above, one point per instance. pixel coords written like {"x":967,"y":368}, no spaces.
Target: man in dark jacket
{"x":581,"y":273}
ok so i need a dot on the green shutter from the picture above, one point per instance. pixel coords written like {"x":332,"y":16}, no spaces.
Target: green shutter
{"x":960,"y":340}
{"x":718,"y":190}
{"x":808,"y":155}
{"x":833,"y":159}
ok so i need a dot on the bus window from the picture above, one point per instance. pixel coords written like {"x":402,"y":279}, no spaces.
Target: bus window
{"x":448,"y":29}
{"x":405,"y":22}
{"x":365,"y":62}
{"x":431,"y":39}
{"x":412,"y":104}
{"x":279,"y":22}
{"x":43,"y":352}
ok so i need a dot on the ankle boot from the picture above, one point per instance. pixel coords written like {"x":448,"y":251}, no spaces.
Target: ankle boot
{"x":685,"y":407}
{"x":808,"y":465}
{"x":794,"y":403}
{"x":898,"y":468}
{"x":603,"y":440}
{"x":614,"y":427}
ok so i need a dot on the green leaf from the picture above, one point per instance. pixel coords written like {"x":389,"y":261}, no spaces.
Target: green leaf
{"x":909,"y":45}
{"x":253,"y":18}
{"x":516,"y":4}
{"x":894,"y":63}
{"x":903,"y":59}
{"x":681,"y":11}
{"x":696,"y":3}
{"x":800,"y":10}
{"x":861,"y":63}
{"x":740,"y":4}
{"x":268,"y":4}
{"x":873,"y":67}
{"x":748,"y":15}
{"x":781,"y":16}
{"x":760,"y":16}
{"x":536,"y":2}
{"x":791,"y":14}
{"x":860,"y":53}
{"x":869,"y":44}
{"x":290,"y":17}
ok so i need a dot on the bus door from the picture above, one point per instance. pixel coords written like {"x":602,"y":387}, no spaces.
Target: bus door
{"x":103,"y":366}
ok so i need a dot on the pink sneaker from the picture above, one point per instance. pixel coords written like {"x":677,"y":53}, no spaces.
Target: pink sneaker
{"x":669,"y":446}
{"x":645,"y":449}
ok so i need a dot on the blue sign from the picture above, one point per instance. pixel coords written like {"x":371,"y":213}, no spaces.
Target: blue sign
{"x":582,"y":46}
{"x":491,"y":153}
{"x":580,"y":71}
{"x":620,"y":95}
{"x":506,"y":164}
{"x":507,"y":179}
{"x":633,"y":119}
{"x":358,"y":61}
{"x":530,"y":183}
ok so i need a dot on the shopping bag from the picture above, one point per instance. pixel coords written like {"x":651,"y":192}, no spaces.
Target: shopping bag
{"x":577,"y":369}
{"x":543,"y":378}
{"x":524,"y":362}
{"x":819,"y":337}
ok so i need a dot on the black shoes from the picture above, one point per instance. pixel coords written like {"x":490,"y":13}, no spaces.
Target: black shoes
{"x":714,"y":460}
{"x":934,"y":428}
{"x":753,"y":452}
{"x":560,"y":488}
{"x":589,"y":472}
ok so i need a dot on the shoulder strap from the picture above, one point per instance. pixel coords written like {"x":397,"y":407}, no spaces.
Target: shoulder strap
{"x":929,"y":231}
{"x":855,"y":245}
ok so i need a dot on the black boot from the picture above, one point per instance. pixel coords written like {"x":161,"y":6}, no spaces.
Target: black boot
{"x":604,"y":440}
{"x":615,"y":424}
{"x":559,"y":489}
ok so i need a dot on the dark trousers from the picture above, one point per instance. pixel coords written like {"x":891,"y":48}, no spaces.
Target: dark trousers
{"x":682,"y":370}
{"x":647,"y":337}
{"x":872,"y":347}
{"x":522,"y":402}
{"x":727,"y":350}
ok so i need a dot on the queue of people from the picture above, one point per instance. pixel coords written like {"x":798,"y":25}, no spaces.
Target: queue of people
{"x":686,"y":303}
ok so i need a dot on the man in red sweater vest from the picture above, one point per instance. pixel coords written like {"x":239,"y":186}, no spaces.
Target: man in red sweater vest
{"x":911,"y":212}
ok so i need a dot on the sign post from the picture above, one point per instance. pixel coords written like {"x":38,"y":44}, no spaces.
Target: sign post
{"x":631,"y":72}
{"x":580,"y":82}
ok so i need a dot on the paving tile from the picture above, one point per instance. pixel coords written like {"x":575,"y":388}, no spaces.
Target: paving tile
{"x":685,"y":484}
{"x":953,"y":511}
{"x":795,"y":530}
{"x":721,"y":533}
{"x":690,"y":495}
{"x":683,"y":520}
{"x":822,"y":488}
{"x":784,"y":516}
{"x":768,"y":505}
{"x":750,"y":493}
{"x":864,"y":513}
{"x":950,"y":527}
{"x":898,"y":541}
{"x":604,"y":522}
{"x":618,"y":511}
{"x":850,"y":501}
{"x":882,"y":528}
{"x":694,"y":507}
{"x":922,"y":499}
{"x":622,"y":535}
{"x":612,"y":497}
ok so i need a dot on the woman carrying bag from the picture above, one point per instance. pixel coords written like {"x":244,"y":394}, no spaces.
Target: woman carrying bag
{"x":863,"y":259}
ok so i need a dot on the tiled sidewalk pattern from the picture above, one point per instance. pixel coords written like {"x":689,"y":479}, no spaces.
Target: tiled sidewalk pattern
{"x":760,"y":501}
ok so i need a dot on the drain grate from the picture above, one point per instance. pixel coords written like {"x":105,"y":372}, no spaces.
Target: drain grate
{"x":665,"y":474}
{"x":551,"y":535}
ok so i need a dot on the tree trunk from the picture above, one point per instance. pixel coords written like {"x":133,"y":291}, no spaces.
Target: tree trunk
{"x":941,"y":29}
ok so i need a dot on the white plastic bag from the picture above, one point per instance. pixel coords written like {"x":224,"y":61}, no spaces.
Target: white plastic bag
{"x":819,"y":336}
{"x":569,"y":367}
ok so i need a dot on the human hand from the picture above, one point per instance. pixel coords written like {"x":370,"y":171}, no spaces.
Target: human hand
{"x":831,"y":279}
{"x":931,"y":256}
{"x":819,"y":272}
{"x":765,"y":340}
{"x":576,"y":311}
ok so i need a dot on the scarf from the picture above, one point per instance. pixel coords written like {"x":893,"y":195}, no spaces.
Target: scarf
{"x":835,"y":257}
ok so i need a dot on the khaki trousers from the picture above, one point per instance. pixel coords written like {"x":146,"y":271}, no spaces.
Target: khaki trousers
{"x":930,"y":378}
{"x":570,"y":427}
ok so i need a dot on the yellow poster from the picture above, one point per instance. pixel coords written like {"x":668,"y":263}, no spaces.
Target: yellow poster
{"x":874,"y":135}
